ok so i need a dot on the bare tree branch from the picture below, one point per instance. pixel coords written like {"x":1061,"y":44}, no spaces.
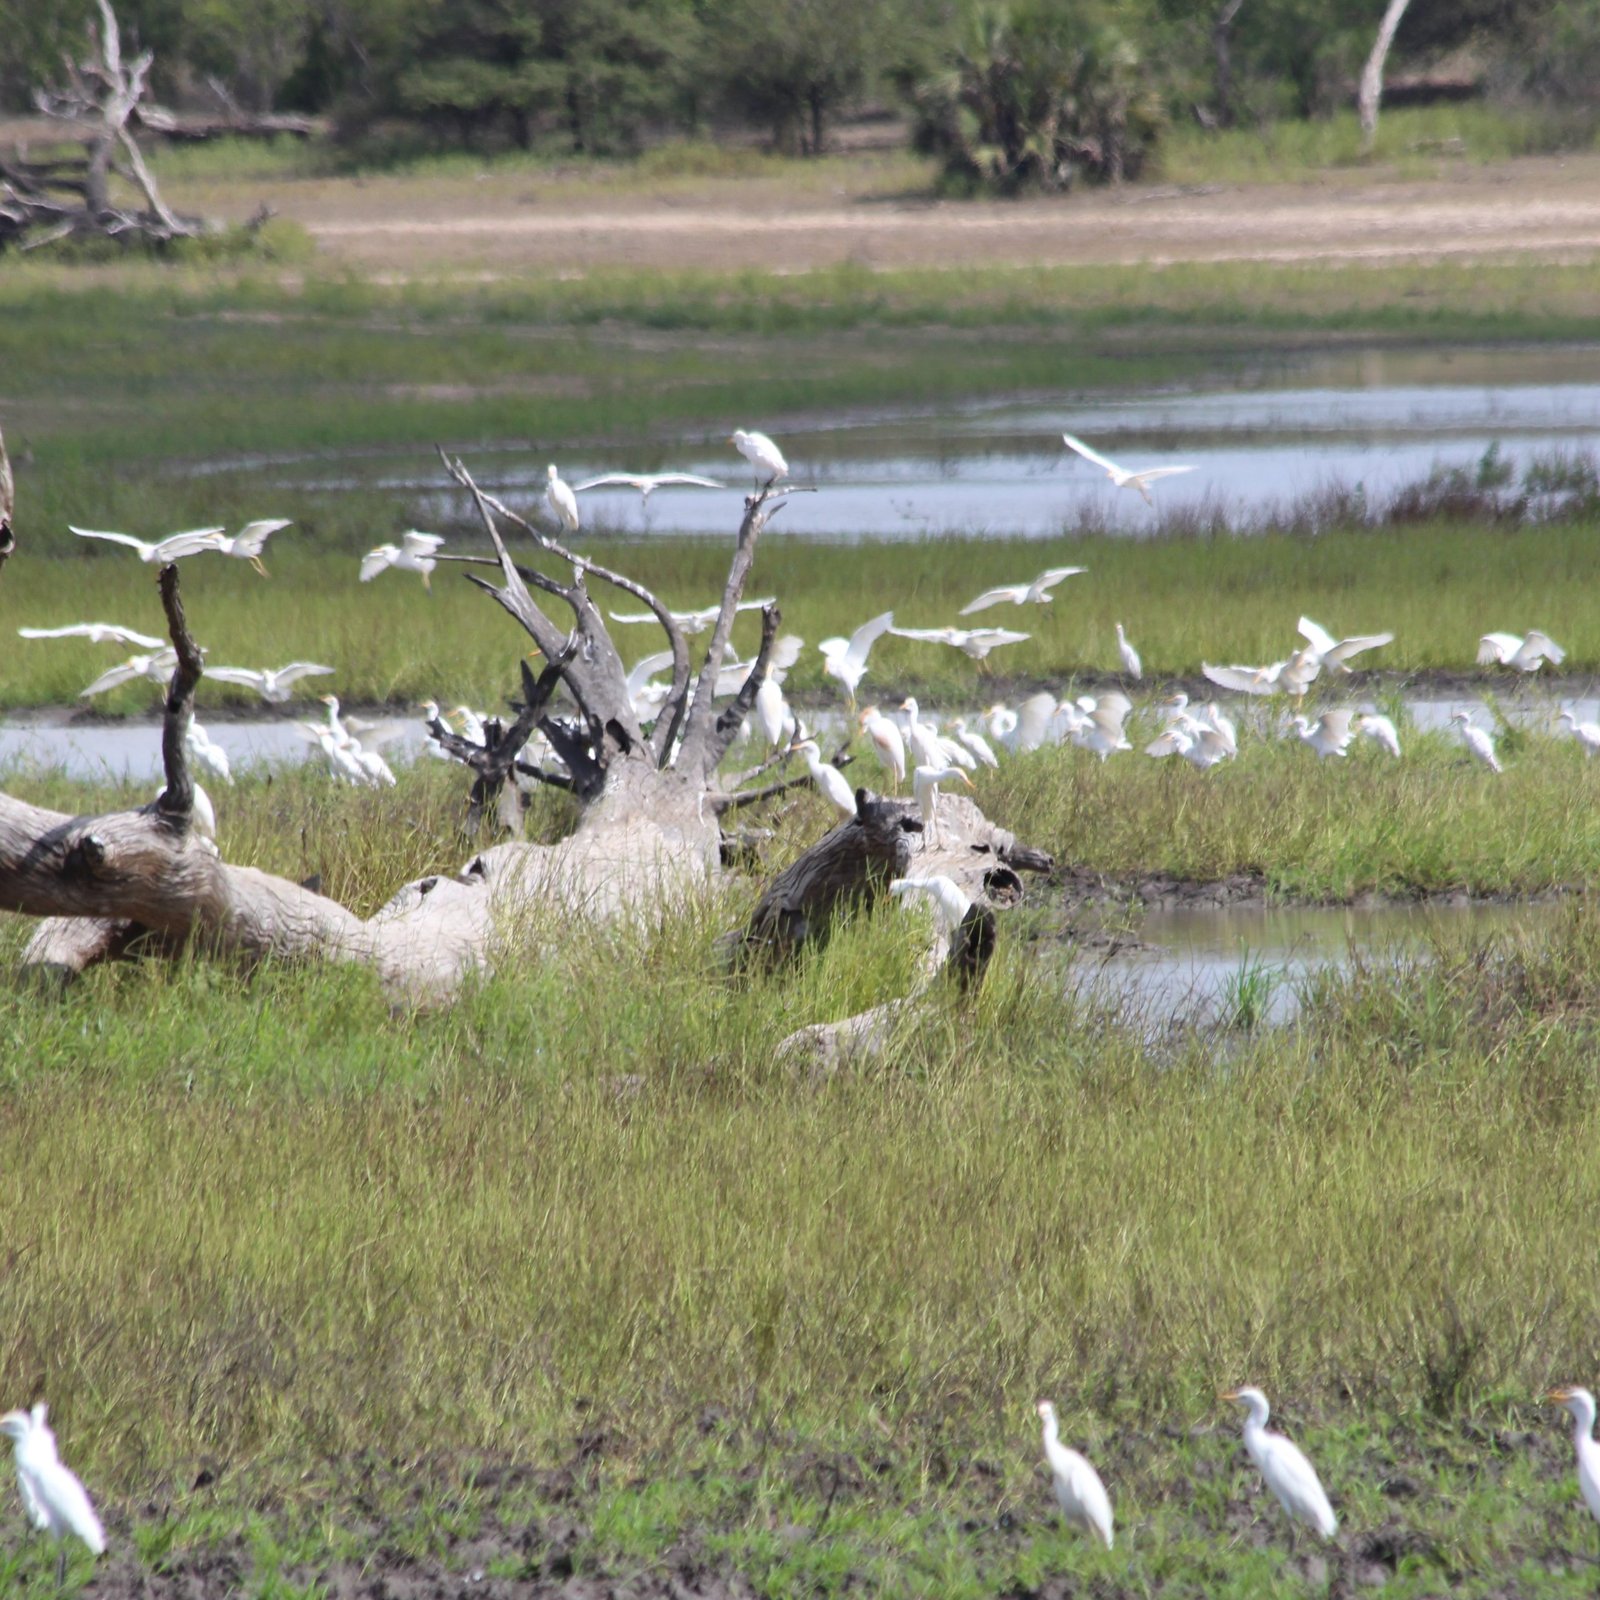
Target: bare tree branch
{"x":176,"y":800}
{"x":8,"y":505}
{"x":731,"y":718}
{"x":1371,"y":90}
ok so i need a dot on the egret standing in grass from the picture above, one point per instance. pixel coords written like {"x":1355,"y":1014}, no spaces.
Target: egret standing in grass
{"x":1079,"y":1492}
{"x":55,"y":1500}
{"x":1581,"y":1404}
{"x":1380,"y":730}
{"x":761,"y":453}
{"x":887,"y":741}
{"x":1289,"y":1475}
{"x":1477,"y":741}
{"x":1586,"y":733}
{"x":1131,"y":663}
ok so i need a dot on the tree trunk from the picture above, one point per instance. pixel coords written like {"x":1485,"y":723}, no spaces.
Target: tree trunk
{"x":1371,"y":90}
{"x":1222,"y":58}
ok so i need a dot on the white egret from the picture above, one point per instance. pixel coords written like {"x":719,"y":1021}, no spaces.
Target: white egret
{"x":1121,"y":477}
{"x":272,"y":684}
{"x":925,"y":781}
{"x":431,"y":714}
{"x":1477,"y":741}
{"x":1586,"y":733}
{"x":1033,"y":720}
{"x":559,"y":499}
{"x":691,"y":622}
{"x":1038,"y":592}
{"x":846,"y":659}
{"x":1581,"y":1404}
{"x":646,"y":697}
{"x":1201,"y":746}
{"x":827,"y":777}
{"x":886,"y":740}
{"x":975,"y":742}
{"x":95,"y":633}
{"x":202,"y":814}
{"x":206,"y":753}
{"x":1525,"y":654}
{"x":1079,"y":1492}
{"x":771,"y":711}
{"x":1131,"y":663}
{"x":1289,"y":1475}
{"x":156,"y":666}
{"x":1001,"y":721}
{"x":950,"y":901}
{"x":55,"y":1499}
{"x":1381,"y":731}
{"x":159,"y":553}
{"x":1329,"y":735}
{"x":1222,"y":726}
{"x":1245,"y":680}
{"x":646,"y":482}
{"x":1339,"y":651}
{"x":975,"y":642}
{"x":416,"y":552}
{"x":761,"y":453}
{"x":472,"y":729}
{"x":1101,"y":728}
{"x":922,"y":738}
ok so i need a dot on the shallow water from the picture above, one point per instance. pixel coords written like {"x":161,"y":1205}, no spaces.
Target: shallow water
{"x":1260,"y":437}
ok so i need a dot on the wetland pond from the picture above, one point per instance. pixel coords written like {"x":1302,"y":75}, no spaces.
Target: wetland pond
{"x":1262,"y":436}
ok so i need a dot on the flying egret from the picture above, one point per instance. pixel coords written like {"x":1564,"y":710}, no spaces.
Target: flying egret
{"x":1581,"y":1404}
{"x":925,"y":781}
{"x":1525,"y":654}
{"x":692,"y":622}
{"x":950,"y":901}
{"x":1033,"y":720}
{"x":1339,"y":651}
{"x":1586,"y":733}
{"x":846,"y":659}
{"x":160,"y":553}
{"x":1245,"y":680}
{"x":761,"y":453}
{"x":1381,"y":731}
{"x":1477,"y":741}
{"x":1131,"y":663}
{"x":1038,"y":592}
{"x":827,"y":777}
{"x":1329,"y":735}
{"x":156,"y":666}
{"x":56,"y":1501}
{"x":1289,"y":1475}
{"x":559,"y":499}
{"x":272,"y":684}
{"x":1200,"y":745}
{"x":975,"y":642}
{"x":416,"y":552}
{"x":886,"y":740}
{"x":1121,"y":477}
{"x":95,"y":633}
{"x":1101,"y":728}
{"x":646,"y":482}
{"x":1079,"y":1492}
{"x":974,"y":742}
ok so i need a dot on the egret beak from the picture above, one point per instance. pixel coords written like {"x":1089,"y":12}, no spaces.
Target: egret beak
{"x":1227,"y":1394}
{"x":1558,"y":1396}
{"x":966,"y":780}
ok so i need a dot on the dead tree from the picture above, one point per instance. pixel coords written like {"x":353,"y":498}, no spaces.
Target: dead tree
{"x":1371,"y":90}
{"x":647,"y":836}
{"x":42,"y":201}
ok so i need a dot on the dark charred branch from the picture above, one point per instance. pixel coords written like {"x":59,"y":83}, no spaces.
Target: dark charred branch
{"x":8,"y":502}
{"x":731,"y":718}
{"x":175,"y":803}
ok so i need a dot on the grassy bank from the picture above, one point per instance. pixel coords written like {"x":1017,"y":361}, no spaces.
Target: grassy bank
{"x":268,"y":1236}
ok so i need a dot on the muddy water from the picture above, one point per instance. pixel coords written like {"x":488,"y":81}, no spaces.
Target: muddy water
{"x":1202,"y":965}
{"x":1259,"y":437}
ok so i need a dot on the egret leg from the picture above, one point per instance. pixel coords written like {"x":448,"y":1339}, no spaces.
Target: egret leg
{"x":61,"y":1565}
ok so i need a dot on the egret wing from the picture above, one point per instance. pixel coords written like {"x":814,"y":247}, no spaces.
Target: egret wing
{"x":1155,"y":474}
{"x":927,"y":635}
{"x":643,"y":671}
{"x":251,"y":539}
{"x":1295,"y":1482}
{"x":1493,"y":647}
{"x":1033,"y":718}
{"x":1246,"y":680}
{"x":1083,"y":450}
{"x":417,"y":543}
{"x":637,"y":616}
{"x":301,"y":669}
{"x":245,"y":677}
{"x":128,"y":539}
{"x":785,"y":652}
{"x":1344,"y":649}
{"x":863,"y":639}
{"x":1545,"y":646}
{"x":991,"y":597}
{"x":1317,"y":636}
{"x":123,"y":672}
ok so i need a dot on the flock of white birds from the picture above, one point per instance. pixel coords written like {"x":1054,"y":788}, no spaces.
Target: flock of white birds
{"x":56,"y":1502}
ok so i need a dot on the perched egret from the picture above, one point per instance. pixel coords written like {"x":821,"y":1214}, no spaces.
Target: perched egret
{"x":56,"y":1501}
{"x":827,"y":777}
{"x":1477,"y":741}
{"x":771,"y":711}
{"x":1079,"y":1492}
{"x":1122,"y":477}
{"x":975,"y":642}
{"x":162,"y":551}
{"x":692,"y":622}
{"x":1289,"y":1475}
{"x":206,"y":753}
{"x":559,"y":500}
{"x":975,"y":742}
{"x":925,"y":781}
{"x":949,"y":900}
{"x":1381,"y":731}
{"x":273,"y":685}
{"x":156,"y":666}
{"x":1038,"y":592}
{"x":432,"y":714}
{"x":846,"y":659}
{"x":886,"y":740}
{"x":1131,"y":663}
{"x":1586,"y":733}
{"x":761,"y":453}
{"x":1581,"y":1404}
{"x":95,"y":633}
{"x":646,"y":482}
{"x":416,"y":552}
{"x":1526,"y":654}
{"x":1338,"y":652}
{"x":1329,"y":735}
